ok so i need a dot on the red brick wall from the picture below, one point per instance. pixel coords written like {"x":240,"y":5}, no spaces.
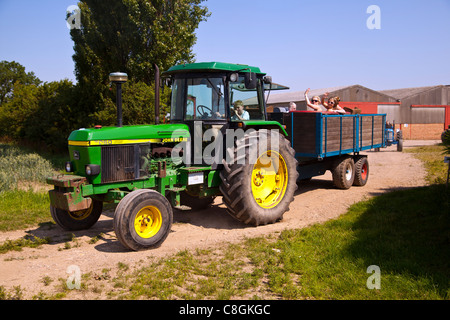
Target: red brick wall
{"x":416,"y":131}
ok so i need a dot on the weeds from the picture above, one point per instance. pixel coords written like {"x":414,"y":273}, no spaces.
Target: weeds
{"x":17,"y":245}
{"x":433,"y":159}
{"x":18,"y":166}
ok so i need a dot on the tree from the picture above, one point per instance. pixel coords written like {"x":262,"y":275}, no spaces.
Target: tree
{"x":130,"y":36}
{"x":12,"y":73}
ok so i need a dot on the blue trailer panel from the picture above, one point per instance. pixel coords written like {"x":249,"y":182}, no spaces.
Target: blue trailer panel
{"x":332,"y":142}
{"x":315,"y":135}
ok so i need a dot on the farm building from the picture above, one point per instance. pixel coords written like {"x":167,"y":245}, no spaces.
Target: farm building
{"x":421,"y":113}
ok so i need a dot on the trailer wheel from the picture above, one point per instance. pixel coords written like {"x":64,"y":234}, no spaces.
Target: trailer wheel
{"x":400,"y":145}
{"x":344,"y":173}
{"x":77,"y":220}
{"x":258,"y":187}
{"x":361,"y":172}
{"x":143,"y":219}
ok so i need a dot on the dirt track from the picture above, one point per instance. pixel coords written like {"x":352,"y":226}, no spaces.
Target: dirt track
{"x":316,"y":201}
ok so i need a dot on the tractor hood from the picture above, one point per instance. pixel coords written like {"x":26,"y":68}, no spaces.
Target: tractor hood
{"x":129,"y":134}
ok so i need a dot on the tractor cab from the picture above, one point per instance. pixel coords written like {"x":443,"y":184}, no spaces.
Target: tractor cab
{"x":215,"y":92}
{"x":212,"y":97}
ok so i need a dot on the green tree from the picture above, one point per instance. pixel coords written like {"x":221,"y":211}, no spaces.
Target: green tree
{"x":11,"y":73}
{"x":130,"y":36}
{"x":15,"y":112}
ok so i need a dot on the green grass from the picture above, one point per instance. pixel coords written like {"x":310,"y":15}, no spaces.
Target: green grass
{"x":433,"y":159}
{"x":20,"y":170}
{"x":20,"y":209}
{"x":20,"y":166}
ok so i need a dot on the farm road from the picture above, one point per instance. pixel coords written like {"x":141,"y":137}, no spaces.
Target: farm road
{"x":316,"y":201}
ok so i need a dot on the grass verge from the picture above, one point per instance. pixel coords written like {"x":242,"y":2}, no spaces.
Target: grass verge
{"x":433,"y":159}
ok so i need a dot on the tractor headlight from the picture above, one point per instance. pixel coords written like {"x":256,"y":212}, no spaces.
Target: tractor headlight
{"x":92,"y":169}
{"x":68,"y":166}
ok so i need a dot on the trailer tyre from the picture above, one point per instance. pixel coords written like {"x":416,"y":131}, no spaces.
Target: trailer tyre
{"x":344,"y":173}
{"x":400,"y":145}
{"x":361,"y":172}
{"x":77,"y":220}
{"x":143,"y":219}
{"x":259,"y":192}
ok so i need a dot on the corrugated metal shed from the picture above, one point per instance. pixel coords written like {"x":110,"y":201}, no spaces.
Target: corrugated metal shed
{"x":353,"y":93}
{"x":427,"y":96}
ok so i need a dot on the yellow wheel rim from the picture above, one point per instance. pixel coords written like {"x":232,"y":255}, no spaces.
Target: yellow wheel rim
{"x":269,"y":179}
{"x":148,"y":222}
{"x":81,"y":214}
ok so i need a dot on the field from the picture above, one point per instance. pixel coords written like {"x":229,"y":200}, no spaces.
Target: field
{"x":403,"y":230}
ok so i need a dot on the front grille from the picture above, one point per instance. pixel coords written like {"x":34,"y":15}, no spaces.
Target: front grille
{"x":118,"y":163}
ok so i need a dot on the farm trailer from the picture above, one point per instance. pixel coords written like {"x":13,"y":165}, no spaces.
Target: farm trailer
{"x":150,"y":169}
{"x":333,"y":142}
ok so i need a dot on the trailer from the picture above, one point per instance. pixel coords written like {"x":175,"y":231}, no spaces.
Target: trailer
{"x":333,"y":142}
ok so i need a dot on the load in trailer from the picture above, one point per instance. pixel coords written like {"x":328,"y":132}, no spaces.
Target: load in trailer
{"x":333,"y":142}
{"x":212,"y":147}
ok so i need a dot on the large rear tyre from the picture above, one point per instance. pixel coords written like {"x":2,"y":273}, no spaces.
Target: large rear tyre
{"x":344,"y":173}
{"x":259,"y":185}
{"x":77,"y":220}
{"x":143,"y":219}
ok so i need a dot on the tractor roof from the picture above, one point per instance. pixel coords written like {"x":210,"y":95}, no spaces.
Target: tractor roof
{"x":213,"y":67}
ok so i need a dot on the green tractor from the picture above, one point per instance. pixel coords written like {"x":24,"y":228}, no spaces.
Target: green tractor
{"x":218,"y":143}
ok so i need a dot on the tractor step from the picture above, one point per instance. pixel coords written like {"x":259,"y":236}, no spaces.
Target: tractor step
{"x":176,"y":189}
{"x":182,"y":208}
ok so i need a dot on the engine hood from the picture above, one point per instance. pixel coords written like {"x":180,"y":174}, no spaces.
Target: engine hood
{"x":129,"y":134}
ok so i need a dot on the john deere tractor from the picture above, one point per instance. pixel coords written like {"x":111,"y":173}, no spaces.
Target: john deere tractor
{"x":218,"y":142}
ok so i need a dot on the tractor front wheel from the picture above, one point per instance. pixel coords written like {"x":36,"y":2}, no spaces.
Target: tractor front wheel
{"x":77,"y":220}
{"x":143,"y":219}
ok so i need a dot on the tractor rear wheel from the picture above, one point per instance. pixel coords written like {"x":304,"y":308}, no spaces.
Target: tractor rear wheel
{"x":77,"y":220}
{"x":143,"y":219}
{"x":259,"y":185}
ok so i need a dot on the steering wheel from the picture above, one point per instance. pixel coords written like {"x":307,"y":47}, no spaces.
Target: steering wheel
{"x":201,"y":110}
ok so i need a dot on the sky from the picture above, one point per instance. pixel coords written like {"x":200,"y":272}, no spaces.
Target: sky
{"x":300,"y":43}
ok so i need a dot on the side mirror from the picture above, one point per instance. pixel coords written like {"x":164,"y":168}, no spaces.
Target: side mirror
{"x":267,"y":79}
{"x":167,"y":82}
{"x":250,"y":80}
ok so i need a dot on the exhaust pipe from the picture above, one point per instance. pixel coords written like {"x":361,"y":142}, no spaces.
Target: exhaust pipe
{"x":156,"y":94}
{"x":118,"y":78}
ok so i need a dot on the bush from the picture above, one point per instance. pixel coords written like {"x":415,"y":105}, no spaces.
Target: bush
{"x":17,"y":166}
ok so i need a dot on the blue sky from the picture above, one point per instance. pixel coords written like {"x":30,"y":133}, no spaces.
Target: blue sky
{"x":300,"y":43}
